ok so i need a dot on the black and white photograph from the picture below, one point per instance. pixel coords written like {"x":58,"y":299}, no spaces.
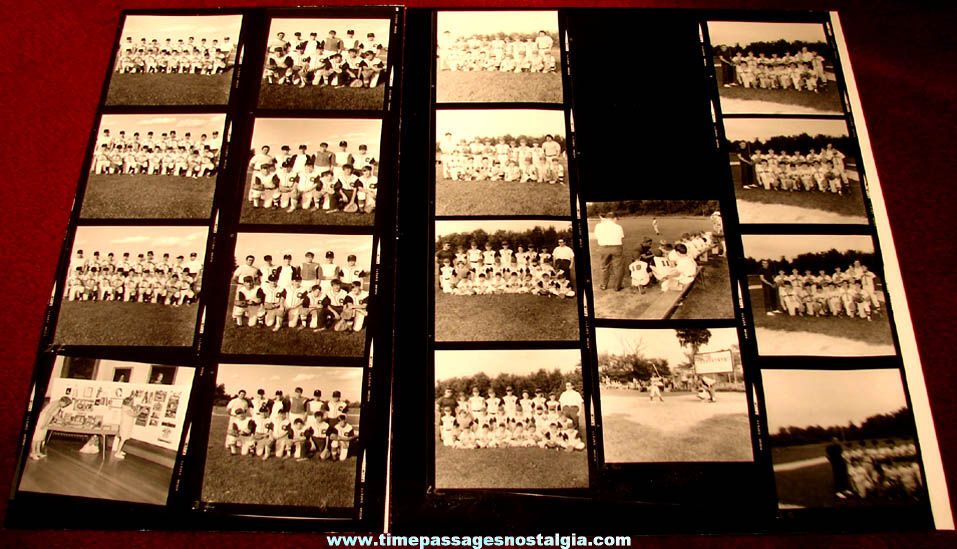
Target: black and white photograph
{"x":284,"y":435}
{"x":659,"y":259}
{"x":501,"y":162}
{"x":329,"y":64}
{"x":817,"y":295}
{"x":299,"y":294}
{"x":672,"y":395}
{"x":774,"y":68}
{"x":841,"y":438}
{"x":154,"y":166}
{"x":794,"y":170}
{"x":310,"y":171}
{"x":108,"y":429}
{"x":510,"y":419}
{"x":498,"y":57}
{"x":175,"y":60}
{"x":133,"y":286}
{"x":505,"y":280}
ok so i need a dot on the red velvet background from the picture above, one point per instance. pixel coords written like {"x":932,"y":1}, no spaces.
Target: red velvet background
{"x":54,"y":61}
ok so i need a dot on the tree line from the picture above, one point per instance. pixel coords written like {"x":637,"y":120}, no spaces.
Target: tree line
{"x":779,"y":47}
{"x":513,"y":36}
{"x":817,"y":261}
{"x":802,"y":143}
{"x":654,"y":207}
{"x":538,"y":237}
{"x":890,"y":425}
{"x":558,"y":137}
{"x":546,"y":381}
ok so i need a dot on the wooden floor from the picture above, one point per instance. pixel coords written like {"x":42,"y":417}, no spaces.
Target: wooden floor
{"x":66,"y":471}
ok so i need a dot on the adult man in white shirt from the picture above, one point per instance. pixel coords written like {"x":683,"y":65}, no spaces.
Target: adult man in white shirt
{"x":610,"y":235}
{"x":571,"y":403}
{"x":563,"y":256}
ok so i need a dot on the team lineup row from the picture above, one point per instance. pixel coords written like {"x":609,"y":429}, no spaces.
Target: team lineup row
{"x":823,"y":171}
{"x":802,"y":71}
{"x":498,"y":54}
{"x":509,"y":421}
{"x":293,"y":426}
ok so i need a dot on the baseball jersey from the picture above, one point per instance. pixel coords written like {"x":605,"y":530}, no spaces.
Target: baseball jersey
{"x":250,"y":295}
{"x":332,"y":298}
{"x":273,"y":295}
{"x":337,"y":407}
{"x":351,"y":273}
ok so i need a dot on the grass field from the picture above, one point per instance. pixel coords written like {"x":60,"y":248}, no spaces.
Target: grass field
{"x":251,"y":215}
{"x":276,"y":96}
{"x":500,"y":198}
{"x":147,"y":197}
{"x":125,"y":324}
{"x":169,"y":89}
{"x":519,"y":317}
{"x":509,"y":468}
{"x":781,"y":334}
{"x":738,"y":99}
{"x":259,"y":340}
{"x":810,"y":204}
{"x":710,"y":297}
{"x":276,"y":481}
{"x":682,"y":428}
{"x":499,"y":87}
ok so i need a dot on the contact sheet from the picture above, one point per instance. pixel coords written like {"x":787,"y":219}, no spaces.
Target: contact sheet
{"x":378,"y":268}
{"x":736,"y":345}
{"x":209,"y":355}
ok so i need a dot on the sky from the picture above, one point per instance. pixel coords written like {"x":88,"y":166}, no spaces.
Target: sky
{"x":443,"y":228}
{"x":277,"y":132}
{"x":139,"y":239}
{"x":468,"y":123}
{"x":468,"y":23}
{"x":659,"y":343}
{"x":252,"y":377}
{"x":279,"y":244}
{"x":175,"y":27}
{"x":729,"y":33}
{"x":322,"y":27}
{"x":800,"y":398}
{"x":195,"y":124}
{"x":449,"y":364}
{"x":748,"y":129}
{"x":790,"y":246}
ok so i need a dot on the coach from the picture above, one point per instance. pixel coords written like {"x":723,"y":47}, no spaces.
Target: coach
{"x":571,"y":403}
{"x":609,"y":235}
{"x":768,"y":287}
{"x":563,"y":256}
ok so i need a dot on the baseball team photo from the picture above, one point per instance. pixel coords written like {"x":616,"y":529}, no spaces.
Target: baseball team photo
{"x":299,"y":294}
{"x":659,"y":259}
{"x":312,"y":171}
{"x":774,"y":68}
{"x":132,"y":286}
{"x":327,"y":64}
{"x":505,"y":280}
{"x":108,"y":429}
{"x":501,"y":162}
{"x":175,"y":60}
{"x":672,"y":395}
{"x":510,"y":419}
{"x":842,"y":438}
{"x":285,"y":436}
{"x":160,"y":166}
{"x":790,"y":170}
{"x":498,"y":57}
{"x":818,"y":295}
